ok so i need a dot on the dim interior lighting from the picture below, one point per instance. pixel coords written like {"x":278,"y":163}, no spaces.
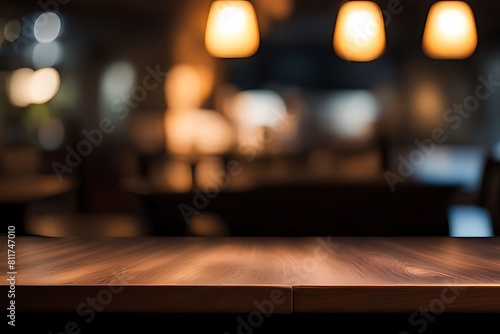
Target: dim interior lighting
{"x":12,"y":30}
{"x":198,"y":132}
{"x":51,"y":134}
{"x":496,"y":151}
{"x":47,"y":27}
{"x":44,"y":85}
{"x":454,"y":166}
{"x":2,"y":37}
{"x":21,"y":161}
{"x":35,"y":116}
{"x":118,"y":80}
{"x":69,"y":93}
{"x":46,"y":54}
{"x":450,"y":31}
{"x":350,"y":114}
{"x":359,"y":32}
{"x":469,"y":222}
{"x":254,"y":110}
{"x":147,"y":132}
{"x":260,"y":108}
{"x":33,"y":87}
{"x":19,"y":87}
{"x":179,"y":177}
{"x":208,"y":225}
{"x":187,"y":86}
{"x":427,"y":102}
{"x":206,"y":170}
{"x":174,"y":176}
{"x":232,"y":29}
{"x":277,"y":9}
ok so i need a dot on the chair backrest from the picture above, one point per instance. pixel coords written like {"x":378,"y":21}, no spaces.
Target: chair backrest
{"x":489,"y":196}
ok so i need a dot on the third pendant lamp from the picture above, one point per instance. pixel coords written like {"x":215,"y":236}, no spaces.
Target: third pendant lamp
{"x":232,"y":29}
{"x":450,"y":31}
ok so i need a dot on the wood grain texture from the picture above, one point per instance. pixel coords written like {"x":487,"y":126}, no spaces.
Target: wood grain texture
{"x":231,"y":274}
{"x":404,"y":274}
{"x":158,"y":274}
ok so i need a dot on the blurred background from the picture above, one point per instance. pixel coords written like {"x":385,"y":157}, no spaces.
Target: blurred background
{"x":115,"y":120}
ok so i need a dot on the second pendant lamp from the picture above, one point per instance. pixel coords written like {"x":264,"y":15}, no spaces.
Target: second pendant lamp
{"x":232,"y":29}
{"x":359,"y":32}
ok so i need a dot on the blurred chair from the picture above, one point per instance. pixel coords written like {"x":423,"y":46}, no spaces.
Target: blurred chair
{"x":489,"y":196}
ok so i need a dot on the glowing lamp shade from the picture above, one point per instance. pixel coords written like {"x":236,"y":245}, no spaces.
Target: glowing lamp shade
{"x":359,"y":32}
{"x":450,"y":31}
{"x":232,"y":30}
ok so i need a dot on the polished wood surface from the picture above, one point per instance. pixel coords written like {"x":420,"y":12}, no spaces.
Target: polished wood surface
{"x":159,"y":274}
{"x":232,"y":274}
{"x":404,"y":274}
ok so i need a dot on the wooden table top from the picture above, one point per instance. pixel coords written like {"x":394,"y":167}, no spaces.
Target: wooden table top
{"x":190,"y":274}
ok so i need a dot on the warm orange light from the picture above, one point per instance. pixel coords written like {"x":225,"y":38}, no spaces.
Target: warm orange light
{"x":427,"y":102}
{"x":206,"y":170}
{"x":276,"y":9}
{"x":232,"y":30}
{"x":44,"y":85}
{"x":178,"y":176}
{"x":359,"y":32}
{"x":198,"y":132}
{"x":187,"y":86}
{"x":450,"y":31}
{"x":33,"y":87}
{"x":19,"y":88}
